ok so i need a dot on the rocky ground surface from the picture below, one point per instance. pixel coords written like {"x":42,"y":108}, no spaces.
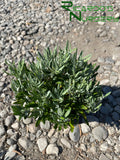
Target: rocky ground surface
{"x":28,"y":25}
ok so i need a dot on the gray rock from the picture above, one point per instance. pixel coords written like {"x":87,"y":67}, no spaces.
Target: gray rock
{"x":85,"y":128}
{"x":9,"y":155}
{"x":109,"y":60}
{"x":32,"y":137}
{"x":113,"y":79}
{"x":111,"y":100}
{"x":103,"y":34}
{"x":15,"y":136}
{"x":19,"y":157}
{"x":115,"y":158}
{"x":3,"y":113}
{"x":106,"y":89}
{"x":75,"y":135}
{"x":33,"y":30}
{"x":117,"y":109}
{"x":118,"y":101}
{"x":106,"y":109}
{"x":2,"y":153}
{"x":38,"y":134}
{"x":115,"y":116}
{"x":52,"y":149}
{"x":100,"y":133}
{"x":27,"y":120}
{"x":42,"y":144}
{"x":116,"y":93}
{"x":2,"y":141}
{"x":103,"y":157}
{"x":9,"y":120}
{"x":117,"y":63}
{"x":109,"y":156}
{"x":45,"y":126}
{"x":107,"y":67}
{"x":2,"y":130}
{"x":10,"y":141}
{"x":100,"y":59}
{"x":25,"y":143}
{"x":66,"y":143}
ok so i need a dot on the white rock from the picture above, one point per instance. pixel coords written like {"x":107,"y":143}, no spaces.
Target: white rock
{"x":43,"y":44}
{"x":53,"y":140}
{"x":104,"y":146}
{"x":27,"y":120}
{"x":93,"y":149}
{"x":111,"y":130}
{"x":101,"y":23}
{"x":117,"y":15}
{"x":45,"y":126}
{"x":15,"y":125}
{"x":10,"y":132}
{"x":66,"y":131}
{"x":51,"y":132}
{"x":116,"y":55}
{"x":13,"y":147}
{"x":117,"y":148}
{"x":52,"y":149}
{"x":83,"y":147}
{"x":104,"y":81}
{"x":85,"y":128}
{"x":42,"y":144}
{"x":32,"y":128}
{"x":117,"y":63}
{"x":66,"y":143}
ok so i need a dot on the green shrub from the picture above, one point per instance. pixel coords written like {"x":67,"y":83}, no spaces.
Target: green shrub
{"x":58,"y":87}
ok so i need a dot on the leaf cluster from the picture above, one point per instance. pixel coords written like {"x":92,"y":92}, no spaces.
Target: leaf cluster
{"x":58,"y":87}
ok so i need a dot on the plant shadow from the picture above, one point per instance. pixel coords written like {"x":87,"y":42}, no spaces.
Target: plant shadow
{"x":109,"y":113}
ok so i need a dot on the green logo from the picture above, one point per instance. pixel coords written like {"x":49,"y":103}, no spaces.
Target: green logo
{"x":89,"y":8}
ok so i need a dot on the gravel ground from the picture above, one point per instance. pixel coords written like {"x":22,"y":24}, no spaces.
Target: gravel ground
{"x":30,"y":25}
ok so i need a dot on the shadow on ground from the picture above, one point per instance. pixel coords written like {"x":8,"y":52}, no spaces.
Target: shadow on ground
{"x":109,"y":113}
